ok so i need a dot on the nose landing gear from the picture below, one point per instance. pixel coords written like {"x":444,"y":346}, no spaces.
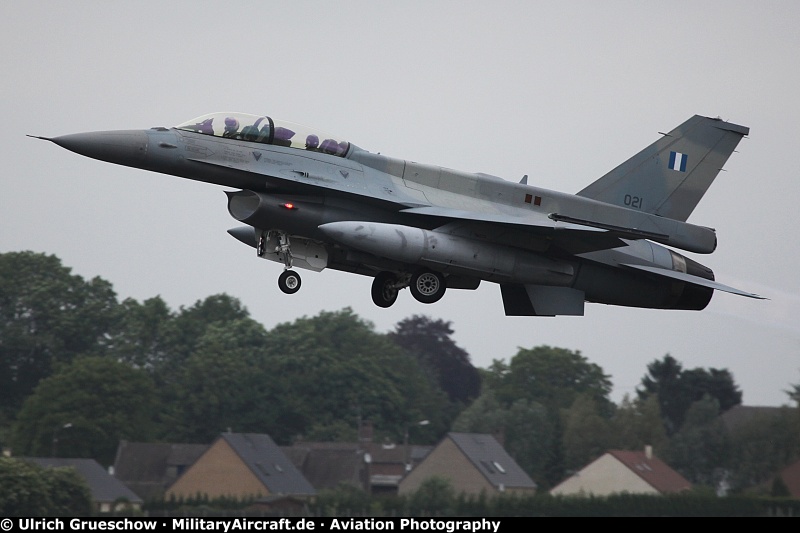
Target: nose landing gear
{"x":289,"y":281}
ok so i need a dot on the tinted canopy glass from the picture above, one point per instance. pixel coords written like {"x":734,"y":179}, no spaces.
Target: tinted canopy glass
{"x":263,"y":129}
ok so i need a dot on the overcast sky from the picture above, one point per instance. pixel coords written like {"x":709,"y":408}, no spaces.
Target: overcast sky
{"x":562,"y":91}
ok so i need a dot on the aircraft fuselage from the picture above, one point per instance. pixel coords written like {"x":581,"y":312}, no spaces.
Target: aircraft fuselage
{"x":344,"y":208}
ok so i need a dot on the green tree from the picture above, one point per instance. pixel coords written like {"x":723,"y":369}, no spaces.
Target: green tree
{"x":316,"y":378}
{"x":449,"y":365}
{"x":484,"y":415}
{"x":84,"y":409}
{"x":794,"y":394}
{"x":700,"y":449}
{"x":587,"y":434}
{"x":530,"y":438}
{"x":224,"y":383}
{"x":553,"y":377}
{"x":763,"y":445}
{"x":335,"y":368}
{"x":184,"y":329}
{"x":434,"y":497}
{"x":139,"y":338}
{"x":637,"y":423}
{"x":27,"y":490}
{"x":526,"y":431}
{"x":677,"y":389}
{"x":69,"y":493}
{"x":23,"y":489}
{"x":47,"y":317}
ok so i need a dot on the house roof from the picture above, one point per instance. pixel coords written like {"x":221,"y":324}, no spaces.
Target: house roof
{"x":739,"y":415}
{"x":103,"y":486}
{"x":148,"y":468}
{"x":328,"y":464}
{"x":492,"y":460}
{"x":652,"y":470}
{"x":791,"y":477}
{"x":268,"y":463}
{"x":326,"y":467}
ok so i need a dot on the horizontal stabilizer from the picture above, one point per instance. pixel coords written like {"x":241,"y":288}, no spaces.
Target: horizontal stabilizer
{"x":695,"y":280}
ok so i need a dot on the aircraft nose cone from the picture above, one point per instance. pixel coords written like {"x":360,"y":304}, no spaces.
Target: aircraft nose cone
{"x":126,"y":147}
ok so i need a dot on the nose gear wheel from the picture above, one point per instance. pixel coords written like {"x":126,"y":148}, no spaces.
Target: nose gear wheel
{"x":289,"y":281}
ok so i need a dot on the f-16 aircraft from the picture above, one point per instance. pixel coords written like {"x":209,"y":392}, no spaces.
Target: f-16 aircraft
{"x":313,"y":201}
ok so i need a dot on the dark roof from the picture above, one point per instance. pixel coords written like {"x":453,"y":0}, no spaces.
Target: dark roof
{"x":739,"y":415}
{"x":103,"y":486}
{"x":269,"y":464}
{"x":327,"y":467}
{"x":149,"y":468}
{"x":492,"y":460}
{"x":328,"y":464}
{"x":652,"y":470}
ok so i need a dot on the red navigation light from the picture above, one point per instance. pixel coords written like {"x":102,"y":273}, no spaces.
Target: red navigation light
{"x":289,"y":205}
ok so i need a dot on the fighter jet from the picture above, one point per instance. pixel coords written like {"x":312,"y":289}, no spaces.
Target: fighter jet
{"x":312,"y":201}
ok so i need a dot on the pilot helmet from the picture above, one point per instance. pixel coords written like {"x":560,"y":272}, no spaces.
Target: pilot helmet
{"x":231,"y":123}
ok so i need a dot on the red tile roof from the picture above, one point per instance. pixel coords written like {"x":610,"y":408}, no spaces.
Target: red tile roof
{"x":653,"y":470}
{"x":791,"y":477}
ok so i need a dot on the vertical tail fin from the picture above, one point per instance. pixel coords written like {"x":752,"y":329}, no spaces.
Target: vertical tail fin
{"x":669,"y":177}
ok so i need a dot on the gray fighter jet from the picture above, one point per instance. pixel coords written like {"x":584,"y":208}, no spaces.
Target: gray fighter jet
{"x":312,"y":200}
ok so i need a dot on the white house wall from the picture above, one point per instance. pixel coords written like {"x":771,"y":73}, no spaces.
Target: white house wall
{"x":604,"y":476}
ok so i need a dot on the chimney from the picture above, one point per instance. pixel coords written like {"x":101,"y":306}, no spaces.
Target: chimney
{"x":365,"y":432}
{"x":500,"y":436}
{"x":648,"y":452}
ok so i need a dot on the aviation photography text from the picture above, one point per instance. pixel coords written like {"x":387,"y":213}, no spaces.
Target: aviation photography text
{"x":226,"y":525}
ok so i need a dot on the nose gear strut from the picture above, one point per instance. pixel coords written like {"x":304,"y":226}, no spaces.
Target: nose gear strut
{"x":289,"y":280}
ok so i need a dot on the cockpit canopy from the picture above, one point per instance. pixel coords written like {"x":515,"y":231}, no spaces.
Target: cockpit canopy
{"x":263,"y":129}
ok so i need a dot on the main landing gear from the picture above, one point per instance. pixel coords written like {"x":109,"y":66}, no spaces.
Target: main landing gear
{"x":385,"y":287}
{"x":426,"y":287}
{"x":289,"y":281}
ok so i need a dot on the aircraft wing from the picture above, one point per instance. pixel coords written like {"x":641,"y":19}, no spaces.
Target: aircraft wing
{"x":570,"y":236}
{"x":695,"y":280}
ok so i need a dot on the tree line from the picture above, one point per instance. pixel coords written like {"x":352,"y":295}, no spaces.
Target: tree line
{"x":80,"y":370}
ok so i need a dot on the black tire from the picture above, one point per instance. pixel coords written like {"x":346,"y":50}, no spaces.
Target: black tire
{"x":383,"y":295}
{"x":428,"y":286}
{"x":289,"y":282}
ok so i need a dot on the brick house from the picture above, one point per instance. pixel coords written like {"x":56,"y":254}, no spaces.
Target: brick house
{"x":241,"y":465}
